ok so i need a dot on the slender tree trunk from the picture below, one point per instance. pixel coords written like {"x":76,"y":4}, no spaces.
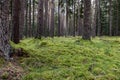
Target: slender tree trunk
{"x":98,"y":18}
{"x":26,"y":19}
{"x":110,"y":18}
{"x":87,"y":20}
{"x":16,"y":15}
{"x":73,"y":28}
{"x":4,"y":29}
{"x":33,"y":24}
{"x":49,"y":17}
{"x":67,"y":11}
{"x":61,"y":24}
{"x":80,"y":21}
{"x":94,"y":19}
{"x":117,"y":20}
{"x":52,"y":18}
{"x":46,"y":18}
{"x":30,"y":27}
{"x":59,"y":34}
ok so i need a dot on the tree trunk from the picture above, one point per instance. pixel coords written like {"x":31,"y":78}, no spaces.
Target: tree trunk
{"x":94,"y":19}
{"x":98,"y":18}
{"x":4,"y":29}
{"x":30,"y":27}
{"x":26,"y":19}
{"x":67,"y":17}
{"x":22,"y":17}
{"x":80,"y":21}
{"x":110,"y":18}
{"x":59,"y":34}
{"x":74,"y":19}
{"x":87,"y":20}
{"x":46,"y":18}
{"x":33,"y":24}
{"x":16,"y":15}
{"x":52,"y":19}
{"x":40,"y":19}
{"x":117,"y":20}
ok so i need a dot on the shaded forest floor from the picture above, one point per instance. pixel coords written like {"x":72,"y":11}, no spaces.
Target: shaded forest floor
{"x":11,"y":71}
{"x":69,"y":58}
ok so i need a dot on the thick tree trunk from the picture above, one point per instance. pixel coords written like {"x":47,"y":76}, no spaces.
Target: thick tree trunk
{"x":16,"y":15}
{"x":22,"y":17}
{"x":40,"y":19}
{"x":4,"y":29}
{"x":87,"y":20}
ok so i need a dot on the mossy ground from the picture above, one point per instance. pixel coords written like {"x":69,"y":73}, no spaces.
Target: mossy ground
{"x":2,"y":61}
{"x":71,"y":58}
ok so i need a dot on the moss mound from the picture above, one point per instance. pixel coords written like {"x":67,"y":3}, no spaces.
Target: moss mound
{"x":71,"y":58}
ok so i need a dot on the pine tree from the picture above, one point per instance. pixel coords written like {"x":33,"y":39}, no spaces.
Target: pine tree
{"x":4,"y":29}
{"x":87,"y":20}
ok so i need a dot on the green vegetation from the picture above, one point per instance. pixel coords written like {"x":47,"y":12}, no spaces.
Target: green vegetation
{"x":2,"y":61}
{"x":71,"y":58}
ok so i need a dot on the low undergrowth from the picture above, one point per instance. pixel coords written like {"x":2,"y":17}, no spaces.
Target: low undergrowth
{"x":2,"y":61}
{"x":71,"y":58}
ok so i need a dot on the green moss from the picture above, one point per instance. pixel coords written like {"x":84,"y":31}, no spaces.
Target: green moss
{"x":71,"y":58}
{"x":4,"y":75}
{"x":2,"y":61}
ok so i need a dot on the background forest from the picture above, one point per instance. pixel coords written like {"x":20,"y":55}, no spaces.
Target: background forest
{"x":59,"y":40}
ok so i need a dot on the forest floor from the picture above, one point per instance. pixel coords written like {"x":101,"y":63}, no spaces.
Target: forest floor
{"x":69,"y":58}
{"x":10,"y":70}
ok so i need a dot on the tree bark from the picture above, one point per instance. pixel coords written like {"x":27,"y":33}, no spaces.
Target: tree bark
{"x":30,"y":26}
{"x":98,"y":18}
{"x":16,"y":18}
{"x":94,"y":19}
{"x":74,"y":19}
{"x":46,"y":18}
{"x":59,"y":34}
{"x":26,"y":19}
{"x":52,"y":19}
{"x":110,"y":18}
{"x":80,"y":21}
{"x":33,"y":24}
{"x":40,"y":19}
{"x":22,"y":17}
{"x":4,"y":29}
{"x":67,"y":17}
{"x":117,"y":20}
{"x":87,"y":20}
